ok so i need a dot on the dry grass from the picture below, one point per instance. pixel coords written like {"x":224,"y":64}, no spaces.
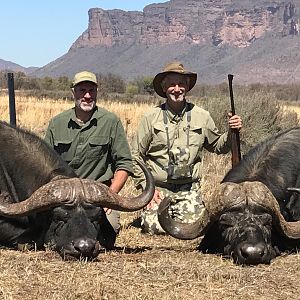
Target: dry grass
{"x":295,"y":108}
{"x":145,"y":267}
{"x":35,"y":114}
{"x":142,"y":267}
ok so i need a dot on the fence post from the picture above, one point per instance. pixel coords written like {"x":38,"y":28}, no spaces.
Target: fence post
{"x":11,"y":96}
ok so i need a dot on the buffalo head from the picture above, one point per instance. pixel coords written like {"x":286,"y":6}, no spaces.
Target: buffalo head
{"x":77,"y":225}
{"x":241,"y":220}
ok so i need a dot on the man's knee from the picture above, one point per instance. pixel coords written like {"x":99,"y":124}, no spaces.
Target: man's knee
{"x":114,"y":220}
{"x":150,"y":223}
{"x":187,"y":210}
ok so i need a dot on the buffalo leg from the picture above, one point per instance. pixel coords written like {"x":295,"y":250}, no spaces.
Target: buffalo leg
{"x":12,"y":230}
{"x":107,"y":235}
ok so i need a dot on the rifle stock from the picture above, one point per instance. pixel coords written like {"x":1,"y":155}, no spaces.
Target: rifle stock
{"x":235,"y":134}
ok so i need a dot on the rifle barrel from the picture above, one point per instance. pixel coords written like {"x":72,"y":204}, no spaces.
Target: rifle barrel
{"x":235,"y":135}
{"x":230,"y":79}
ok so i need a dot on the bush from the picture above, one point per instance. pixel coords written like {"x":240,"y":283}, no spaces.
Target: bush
{"x":145,"y":85}
{"x":110,"y":83}
{"x":131,"y":89}
{"x":262,"y":116}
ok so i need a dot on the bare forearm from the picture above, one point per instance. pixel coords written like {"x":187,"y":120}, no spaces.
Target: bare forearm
{"x":119,"y":180}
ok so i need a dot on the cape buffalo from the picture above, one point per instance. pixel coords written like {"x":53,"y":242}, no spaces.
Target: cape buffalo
{"x":42,"y":201}
{"x":254,"y":214}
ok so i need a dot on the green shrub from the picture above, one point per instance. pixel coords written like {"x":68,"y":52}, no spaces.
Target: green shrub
{"x":131,"y":89}
{"x":262,"y":115}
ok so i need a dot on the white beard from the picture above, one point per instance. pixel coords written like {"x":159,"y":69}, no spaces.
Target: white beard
{"x":84,"y":106}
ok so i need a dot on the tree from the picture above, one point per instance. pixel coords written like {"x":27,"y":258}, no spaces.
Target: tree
{"x":145,"y":85}
{"x":131,"y":89}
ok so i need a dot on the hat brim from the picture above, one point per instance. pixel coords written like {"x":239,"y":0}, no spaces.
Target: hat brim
{"x":160,"y":77}
{"x":83,"y":80}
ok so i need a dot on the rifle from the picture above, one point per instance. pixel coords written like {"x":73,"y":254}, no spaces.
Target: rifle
{"x":235,"y":135}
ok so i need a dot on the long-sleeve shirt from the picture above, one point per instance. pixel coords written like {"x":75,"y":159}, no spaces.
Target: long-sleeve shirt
{"x":96,"y":149}
{"x":150,"y":142}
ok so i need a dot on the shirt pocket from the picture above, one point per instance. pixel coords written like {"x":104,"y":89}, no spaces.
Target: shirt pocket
{"x":197,"y":139}
{"x":98,"y":146}
{"x":63,"y":148}
{"x":196,"y":136}
{"x":159,"y":140}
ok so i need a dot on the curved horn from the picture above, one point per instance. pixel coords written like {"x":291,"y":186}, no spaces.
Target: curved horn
{"x":183,"y":231}
{"x":260,"y":194}
{"x":227,"y":195}
{"x":99,"y":194}
{"x":69,"y":191}
{"x":55,"y":193}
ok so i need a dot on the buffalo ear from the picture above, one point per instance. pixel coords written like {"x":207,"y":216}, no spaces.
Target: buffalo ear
{"x":294,"y":189}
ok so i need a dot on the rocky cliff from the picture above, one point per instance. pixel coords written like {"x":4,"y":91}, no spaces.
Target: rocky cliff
{"x":196,"y":22}
{"x":212,"y":35}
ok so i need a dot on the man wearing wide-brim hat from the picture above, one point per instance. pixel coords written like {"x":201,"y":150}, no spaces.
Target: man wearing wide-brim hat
{"x":170,"y":139}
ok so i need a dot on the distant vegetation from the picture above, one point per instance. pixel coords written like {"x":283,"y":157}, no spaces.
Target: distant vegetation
{"x":263,"y":115}
{"x":111,"y":84}
{"x":261,"y":106}
{"x":58,"y":88}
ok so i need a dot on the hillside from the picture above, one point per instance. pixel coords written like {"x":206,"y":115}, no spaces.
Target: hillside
{"x":13,"y":67}
{"x":258,"y":41}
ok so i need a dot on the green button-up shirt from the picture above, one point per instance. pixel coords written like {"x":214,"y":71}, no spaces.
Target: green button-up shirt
{"x":150,"y":142}
{"x":96,"y":149}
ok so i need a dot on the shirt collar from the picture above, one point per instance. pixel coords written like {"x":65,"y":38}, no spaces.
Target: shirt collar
{"x":174,"y":116}
{"x":74,"y":119}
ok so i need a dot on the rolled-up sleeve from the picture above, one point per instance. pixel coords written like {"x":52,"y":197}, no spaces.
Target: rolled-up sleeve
{"x":140,"y":146}
{"x":216,"y":142}
{"x":120,"y":151}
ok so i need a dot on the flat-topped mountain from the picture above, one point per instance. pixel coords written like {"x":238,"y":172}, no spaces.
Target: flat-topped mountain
{"x":258,"y":41}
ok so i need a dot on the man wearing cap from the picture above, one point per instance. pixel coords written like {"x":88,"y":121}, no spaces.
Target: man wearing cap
{"x":170,"y":140}
{"x":92,"y":140}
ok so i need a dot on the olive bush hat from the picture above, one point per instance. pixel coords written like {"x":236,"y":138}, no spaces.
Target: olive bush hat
{"x":173,"y":67}
{"x":84,"y":76}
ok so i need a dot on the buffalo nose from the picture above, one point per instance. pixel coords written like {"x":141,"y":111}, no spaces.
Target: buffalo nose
{"x":87,"y":247}
{"x":252,"y":253}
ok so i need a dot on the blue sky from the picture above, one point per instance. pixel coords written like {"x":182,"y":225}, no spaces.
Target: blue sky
{"x":36,"y":32}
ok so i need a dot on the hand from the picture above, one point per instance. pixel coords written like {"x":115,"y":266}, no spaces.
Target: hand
{"x":235,"y":122}
{"x":155,"y":200}
{"x":107,"y":210}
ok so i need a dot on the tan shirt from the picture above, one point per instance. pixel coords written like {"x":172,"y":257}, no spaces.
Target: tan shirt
{"x":150,"y":142}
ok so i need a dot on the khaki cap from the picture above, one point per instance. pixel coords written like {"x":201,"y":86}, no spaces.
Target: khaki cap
{"x":173,"y":67}
{"x":84,"y":76}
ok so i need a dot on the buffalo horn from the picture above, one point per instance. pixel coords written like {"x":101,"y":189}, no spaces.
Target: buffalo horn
{"x":99,"y":194}
{"x":227,"y":195}
{"x":183,"y":231}
{"x":70,"y":191}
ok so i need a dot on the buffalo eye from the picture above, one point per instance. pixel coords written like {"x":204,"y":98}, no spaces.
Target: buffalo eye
{"x":226,"y":219}
{"x":60,"y":214}
{"x":266,"y":219}
{"x":94,"y":214}
{"x":59,"y":226}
